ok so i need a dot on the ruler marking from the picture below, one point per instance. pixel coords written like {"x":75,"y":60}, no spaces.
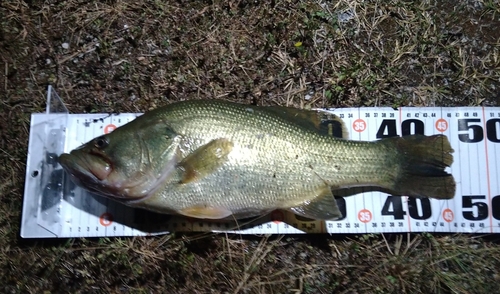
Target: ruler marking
{"x":364,"y":203}
{"x":87,"y":207}
{"x":460,"y":218}
{"x":490,"y":208}
{"x":447,"y":204}
{"x":400,"y":131}
{"x":497,"y":174}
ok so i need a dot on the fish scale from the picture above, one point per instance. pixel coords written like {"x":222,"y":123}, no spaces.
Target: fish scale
{"x":216,"y":159}
{"x":258,"y":165}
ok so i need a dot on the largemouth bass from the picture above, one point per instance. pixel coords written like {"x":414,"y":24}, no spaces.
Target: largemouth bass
{"x":213,"y":160}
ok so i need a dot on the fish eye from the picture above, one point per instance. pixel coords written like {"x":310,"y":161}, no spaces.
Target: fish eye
{"x":101,"y":142}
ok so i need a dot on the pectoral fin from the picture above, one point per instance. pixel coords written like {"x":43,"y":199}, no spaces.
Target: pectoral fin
{"x":205,"y":160}
{"x":323,"y":207}
{"x":205,"y":212}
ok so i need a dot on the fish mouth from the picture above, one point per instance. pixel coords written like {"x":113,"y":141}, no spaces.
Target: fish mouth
{"x":95,"y":172}
{"x":88,"y":170}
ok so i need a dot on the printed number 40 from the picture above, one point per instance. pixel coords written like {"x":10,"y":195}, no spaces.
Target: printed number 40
{"x":474,"y":208}
{"x":418,"y":208}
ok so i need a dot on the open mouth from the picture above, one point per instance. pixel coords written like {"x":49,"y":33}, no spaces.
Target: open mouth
{"x":101,"y":167}
{"x":92,"y":166}
{"x":93,"y":172}
{"x":88,"y":170}
{"x":96,"y":173}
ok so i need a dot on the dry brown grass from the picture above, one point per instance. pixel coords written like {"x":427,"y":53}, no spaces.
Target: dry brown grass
{"x":131,"y":56}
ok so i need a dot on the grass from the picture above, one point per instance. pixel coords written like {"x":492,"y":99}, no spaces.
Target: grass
{"x":131,"y":56}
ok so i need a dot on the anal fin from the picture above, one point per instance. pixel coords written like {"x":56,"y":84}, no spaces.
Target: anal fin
{"x":206,"y":212}
{"x":323,"y":207}
{"x":205,"y":160}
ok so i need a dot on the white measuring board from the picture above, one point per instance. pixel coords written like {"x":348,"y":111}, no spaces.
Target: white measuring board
{"x":54,"y":207}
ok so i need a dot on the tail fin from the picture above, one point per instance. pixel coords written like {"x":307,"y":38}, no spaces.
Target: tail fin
{"x":423,"y":160}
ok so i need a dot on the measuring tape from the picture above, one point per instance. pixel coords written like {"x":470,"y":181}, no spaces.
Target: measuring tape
{"x":474,"y":133}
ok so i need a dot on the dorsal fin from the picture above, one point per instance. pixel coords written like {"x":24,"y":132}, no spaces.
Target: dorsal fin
{"x":317,"y":121}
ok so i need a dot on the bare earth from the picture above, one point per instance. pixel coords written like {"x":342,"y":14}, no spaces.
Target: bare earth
{"x":132,"y":56}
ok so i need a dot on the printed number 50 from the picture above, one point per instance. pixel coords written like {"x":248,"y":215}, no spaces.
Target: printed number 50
{"x":479,"y":209}
{"x":472,"y":131}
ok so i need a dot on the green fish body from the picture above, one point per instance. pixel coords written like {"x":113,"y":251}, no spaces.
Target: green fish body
{"x":215,"y":159}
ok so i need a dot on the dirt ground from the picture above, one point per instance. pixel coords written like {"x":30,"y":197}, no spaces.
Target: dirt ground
{"x":132,"y":56}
